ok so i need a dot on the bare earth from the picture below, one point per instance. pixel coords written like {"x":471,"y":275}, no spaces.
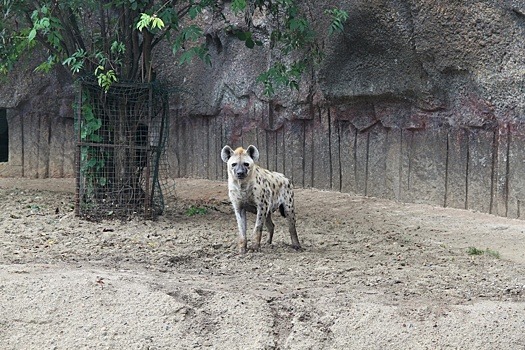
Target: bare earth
{"x":374,"y":274}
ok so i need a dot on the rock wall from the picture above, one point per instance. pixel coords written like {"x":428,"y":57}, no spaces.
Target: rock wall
{"x":417,"y":101}
{"x":40,"y":118}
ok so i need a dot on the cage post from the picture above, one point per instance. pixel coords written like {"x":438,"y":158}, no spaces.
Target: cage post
{"x":158,"y":150}
{"x":78,"y":153}
{"x":147,"y":193}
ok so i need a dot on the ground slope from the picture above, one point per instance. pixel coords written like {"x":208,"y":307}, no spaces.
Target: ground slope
{"x":373,"y":274}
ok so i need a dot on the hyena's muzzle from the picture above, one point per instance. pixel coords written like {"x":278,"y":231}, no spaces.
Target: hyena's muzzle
{"x":240,"y":170}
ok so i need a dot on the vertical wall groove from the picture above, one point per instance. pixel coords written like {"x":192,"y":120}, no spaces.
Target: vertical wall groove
{"x":303,"y":147}
{"x":339,"y":156}
{"x":410,"y":137}
{"x":367,"y":163}
{"x":447,"y":156}
{"x":507,"y":171}
{"x":494,"y":175}
{"x":355,"y":159}
{"x":400,"y":168}
{"x":467,"y":173}
{"x":330,"y":146}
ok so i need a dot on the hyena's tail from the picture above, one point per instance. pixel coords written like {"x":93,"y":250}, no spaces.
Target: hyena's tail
{"x":281,"y":210}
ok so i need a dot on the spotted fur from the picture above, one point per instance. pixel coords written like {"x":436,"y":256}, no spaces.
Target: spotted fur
{"x":260,"y":191}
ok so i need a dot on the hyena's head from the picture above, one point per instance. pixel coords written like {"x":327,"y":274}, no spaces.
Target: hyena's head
{"x":240,"y":162}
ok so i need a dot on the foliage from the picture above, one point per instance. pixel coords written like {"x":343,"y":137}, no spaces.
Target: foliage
{"x":113,"y":40}
{"x":339,"y":17}
{"x":105,"y":79}
{"x":92,"y":162}
{"x":476,"y":251}
{"x":91,"y":126}
{"x":493,"y":253}
{"x":195,"y":210}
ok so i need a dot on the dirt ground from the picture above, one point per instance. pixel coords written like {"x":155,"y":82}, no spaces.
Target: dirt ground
{"x":374,"y":274}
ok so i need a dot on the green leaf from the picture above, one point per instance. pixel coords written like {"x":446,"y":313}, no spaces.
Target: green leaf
{"x":249,"y":43}
{"x":186,"y":56}
{"x":68,"y":61}
{"x":194,"y":11}
{"x":118,"y":47}
{"x":144,"y":21}
{"x":44,"y":22}
{"x":197,"y":51}
{"x":102,"y":60}
{"x":77,"y":66}
{"x":44,"y":10}
{"x":95,"y":138}
{"x":91,"y":163}
{"x":339,"y":17}
{"x":299,"y":24}
{"x":32,"y":35}
{"x":157,"y":23}
{"x":192,"y":32}
{"x":47,"y":65}
{"x":105,"y":80}
{"x":241,"y":35}
{"x":102,"y":181}
{"x":238,"y":6}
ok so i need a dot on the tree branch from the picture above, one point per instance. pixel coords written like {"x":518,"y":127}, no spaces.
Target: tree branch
{"x":180,"y":14}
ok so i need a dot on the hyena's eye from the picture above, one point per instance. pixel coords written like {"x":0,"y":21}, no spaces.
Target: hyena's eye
{"x":234,"y":165}
{"x":246,"y":164}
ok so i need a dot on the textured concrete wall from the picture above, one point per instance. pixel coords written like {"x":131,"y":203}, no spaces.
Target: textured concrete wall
{"x":440,"y":164}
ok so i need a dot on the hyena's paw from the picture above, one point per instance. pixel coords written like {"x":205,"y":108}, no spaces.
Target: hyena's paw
{"x":297,"y":248}
{"x":242,"y":247}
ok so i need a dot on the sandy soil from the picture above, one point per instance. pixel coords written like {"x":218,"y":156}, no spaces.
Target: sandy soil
{"x":374,"y":274}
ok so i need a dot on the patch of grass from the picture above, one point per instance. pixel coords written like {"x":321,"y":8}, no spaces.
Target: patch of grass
{"x":476,"y":251}
{"x":492,"y":253}
{"x":34,"y":207}
{"x":193,"y":210}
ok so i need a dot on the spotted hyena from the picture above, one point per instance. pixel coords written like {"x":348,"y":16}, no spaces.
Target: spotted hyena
{"x":258,"y":190}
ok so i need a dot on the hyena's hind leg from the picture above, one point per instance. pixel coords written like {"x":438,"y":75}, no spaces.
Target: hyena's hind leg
{"x":270,"y":226}
{"x":289,"y":213}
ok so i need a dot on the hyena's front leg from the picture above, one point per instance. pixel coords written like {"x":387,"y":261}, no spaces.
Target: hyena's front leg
{"x":257,"y":231}
{"x":240,"y":214}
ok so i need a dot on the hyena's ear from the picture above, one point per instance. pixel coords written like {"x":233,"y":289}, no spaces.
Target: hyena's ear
{"x":253,"y":152}
{"x":226,"y":153}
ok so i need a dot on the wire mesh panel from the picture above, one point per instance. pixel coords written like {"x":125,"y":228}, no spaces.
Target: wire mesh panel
{"x":120,"y":150}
